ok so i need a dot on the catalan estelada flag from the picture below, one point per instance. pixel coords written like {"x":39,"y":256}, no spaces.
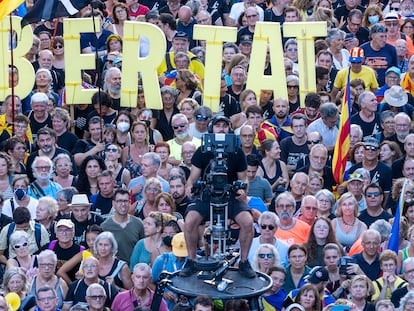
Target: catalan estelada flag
{"x":394,"y":240}
{"x":343,"y":142}
{"x":8,"y":6}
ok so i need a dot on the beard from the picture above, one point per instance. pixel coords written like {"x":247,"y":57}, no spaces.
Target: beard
{"x":284,"y":215}
{"x":114,"y":89}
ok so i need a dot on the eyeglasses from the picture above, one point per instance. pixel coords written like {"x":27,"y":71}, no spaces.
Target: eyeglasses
{"x":45,"y":299}
{"x":270,"y":227}
{"x":373,"y":194}
{"x":263,"y":256}
{"x":17,"y":246}
{"x":181,"y":125}
{"x":64,"y":231}
{"x":58,"y":46}
{"x":392,"y":24}
{"x":313,"y":141}
{"x":297,"y":257}
{"x":394,"y":9}
{"x":372,"y":148}
{"x":292,"y":86}
{"x":92,"y":265}
{"x":324,"y":201}
{"x":250,"y":16}
{"x":122,"y":201}
{"x":114,"y":150}
{"x":153,"y":189}
{"x":200,"y":117}
{"x":46,"y":265}
{"x":96,"y":297}
{"x":42,"y":168}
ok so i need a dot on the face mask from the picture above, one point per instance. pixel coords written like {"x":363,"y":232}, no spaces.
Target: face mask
{"x":182,"y":135}
{"x":167,"y":240}
{"x":47,"y":149}
{"x":20,"y":194}
{"x":123,"y":126}
{"x":373,"y":19}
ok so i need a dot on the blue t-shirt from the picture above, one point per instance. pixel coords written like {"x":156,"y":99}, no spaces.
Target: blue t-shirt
{"x":380,"y":60}
{"x":88,"y":39}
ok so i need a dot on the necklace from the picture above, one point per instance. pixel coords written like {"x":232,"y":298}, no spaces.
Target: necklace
{"x":347,"y":224}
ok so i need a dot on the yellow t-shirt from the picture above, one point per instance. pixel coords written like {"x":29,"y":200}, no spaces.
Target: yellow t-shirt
{"x":367,"y":74}
{"x":196,"y":66}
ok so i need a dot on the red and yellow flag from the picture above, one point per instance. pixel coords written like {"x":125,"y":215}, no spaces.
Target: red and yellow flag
{"x":8,"y":6}
{"x":343,"y":143}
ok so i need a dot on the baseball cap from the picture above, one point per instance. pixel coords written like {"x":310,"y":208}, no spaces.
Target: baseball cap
{"x":393,"y":69}
{"x":371,"y":141}
{"x":355,"y":176}
{"x":376,"y":28}
{"x":246,"y":39}
{"x":317,"y":274}
{"x":65,"y":222}
{"x":179,"y":247}
{"x":180,"y":35}
{"x":356,"y":55}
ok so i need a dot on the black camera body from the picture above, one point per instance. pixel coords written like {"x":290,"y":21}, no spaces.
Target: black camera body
{"x":343,"y":264}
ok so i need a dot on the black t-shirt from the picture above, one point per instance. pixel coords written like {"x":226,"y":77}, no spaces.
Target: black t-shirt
{"x":77,"y":292}
{"x":64,"y":254}
{"x":368,"y":128}
{"x":270,"y":16}
{"x":368,"y":219}
{"x":35,"y":125}
{"x":80,"y":227}
{"x":292,"y":153}
{"x":67,"y":141}
{"x":236,"y":162}
{"x":397,"y":295}
{"x":182,"y":206}
{"x":217,"y":9}
{"x":381,"y":174}
{"x":328,"y":179}
{"x":163,"y":125}
{"x":104,"y":205}
{"x":243,"y":32}
{"x":373,"y":270}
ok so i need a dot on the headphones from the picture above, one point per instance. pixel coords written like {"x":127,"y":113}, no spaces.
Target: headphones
{"x":216,"y":119}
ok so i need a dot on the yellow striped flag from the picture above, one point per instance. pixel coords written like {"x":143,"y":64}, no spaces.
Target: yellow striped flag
{"x":343,"y":142}
{"x":8,"y":6}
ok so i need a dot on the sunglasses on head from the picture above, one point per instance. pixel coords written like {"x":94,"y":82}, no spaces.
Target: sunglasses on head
{"x":270,"y":227}
{"x":200,"y":117}
{"x":181,"y":125}
{"x":263,"y":256}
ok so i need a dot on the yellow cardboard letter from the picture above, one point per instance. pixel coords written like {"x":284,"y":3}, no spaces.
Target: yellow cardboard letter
{"x":305,"y":33}
{"x":23,"y":45}
{"x":267,"y":35}
{"x":76,"y":62}
{"x":132,"y":64}
{"x":214,"y":36}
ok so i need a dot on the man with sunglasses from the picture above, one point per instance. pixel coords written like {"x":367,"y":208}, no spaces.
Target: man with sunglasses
{"x":180,"y":126}
{"x":267,"y":227}
{"x":374,"y":211}
{"x":379,"y":171}
{"x":202,"y":115}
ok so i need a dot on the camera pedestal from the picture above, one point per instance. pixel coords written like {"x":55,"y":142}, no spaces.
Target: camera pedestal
{"x":240,"y":287}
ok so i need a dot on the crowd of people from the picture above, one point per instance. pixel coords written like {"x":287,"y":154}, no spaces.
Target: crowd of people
{"x":96,"y":200}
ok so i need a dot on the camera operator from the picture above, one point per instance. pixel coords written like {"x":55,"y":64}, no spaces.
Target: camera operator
{"x":199,"y":210}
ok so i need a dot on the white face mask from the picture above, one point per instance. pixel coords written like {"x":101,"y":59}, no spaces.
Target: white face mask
{"x":123,"y":126}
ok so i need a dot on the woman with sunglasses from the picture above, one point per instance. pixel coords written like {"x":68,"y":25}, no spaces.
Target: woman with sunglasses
{"x":58,"y":53}
{"x":267,"y":228}
{"x":121,"y":175}
{"x":320,"y":234}
{"x":19,"y":241}
{"x":266,"y":256}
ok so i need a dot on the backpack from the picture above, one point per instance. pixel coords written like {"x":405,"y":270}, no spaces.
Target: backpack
{"x":38,"y":235}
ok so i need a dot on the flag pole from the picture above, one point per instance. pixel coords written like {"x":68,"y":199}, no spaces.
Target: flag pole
{"x":12,"y":69}
{"x":99,"y":73}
